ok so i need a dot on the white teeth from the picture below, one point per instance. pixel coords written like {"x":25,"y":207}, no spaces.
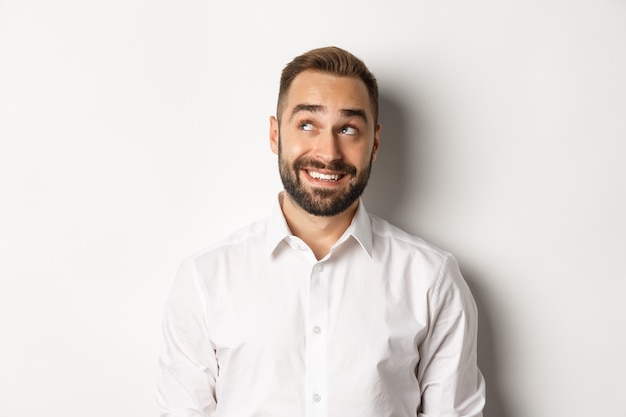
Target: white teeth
{"x":324,"y":177}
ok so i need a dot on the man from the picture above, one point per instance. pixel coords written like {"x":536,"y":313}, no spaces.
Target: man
{"x":321,"y":309}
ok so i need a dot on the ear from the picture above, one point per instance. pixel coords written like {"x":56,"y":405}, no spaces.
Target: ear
{"x":376,"y":141}
{"x":274,"y":134}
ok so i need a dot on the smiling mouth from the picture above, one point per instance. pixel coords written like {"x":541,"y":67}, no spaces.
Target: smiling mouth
{"x":325,"y":177}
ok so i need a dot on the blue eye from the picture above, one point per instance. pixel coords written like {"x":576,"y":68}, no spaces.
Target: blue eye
{"x":348,"y":130}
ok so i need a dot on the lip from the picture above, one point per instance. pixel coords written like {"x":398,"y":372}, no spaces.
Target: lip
{"x":321,"y":181}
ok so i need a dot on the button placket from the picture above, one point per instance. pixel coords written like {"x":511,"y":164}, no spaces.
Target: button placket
{"x":316,"y":343}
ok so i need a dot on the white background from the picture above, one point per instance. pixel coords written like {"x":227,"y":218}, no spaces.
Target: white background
{"x":133,"y":133}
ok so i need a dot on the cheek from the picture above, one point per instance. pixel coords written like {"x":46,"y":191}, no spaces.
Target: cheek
{"x":363,"y":156}
{"x":291,"y":151}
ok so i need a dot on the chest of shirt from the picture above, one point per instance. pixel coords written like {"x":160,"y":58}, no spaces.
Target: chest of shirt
{"x":350,"y":301}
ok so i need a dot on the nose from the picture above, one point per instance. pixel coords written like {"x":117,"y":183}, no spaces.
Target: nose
{"x":327,"y":147}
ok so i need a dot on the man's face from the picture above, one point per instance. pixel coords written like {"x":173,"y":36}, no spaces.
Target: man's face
{"x":326,"y":141}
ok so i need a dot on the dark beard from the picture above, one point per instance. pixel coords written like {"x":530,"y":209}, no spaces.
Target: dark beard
{"x":321,"y":201}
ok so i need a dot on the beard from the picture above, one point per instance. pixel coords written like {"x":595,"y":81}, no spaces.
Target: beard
{"x":322,"y":201}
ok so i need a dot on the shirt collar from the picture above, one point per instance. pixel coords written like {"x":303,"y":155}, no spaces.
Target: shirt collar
{"x":277,"y":229}
{"x":360,"y":229}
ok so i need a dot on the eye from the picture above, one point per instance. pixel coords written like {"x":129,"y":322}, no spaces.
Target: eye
{"x":348,"y":130}
{"x":306,"y":126}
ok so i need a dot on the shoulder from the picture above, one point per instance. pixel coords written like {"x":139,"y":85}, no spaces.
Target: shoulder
{"x":425,"y":260}
{"x":385,"y":233}
{"x":423,"y":267}
{"x":249,"y":237}
{"x":413,"y":254}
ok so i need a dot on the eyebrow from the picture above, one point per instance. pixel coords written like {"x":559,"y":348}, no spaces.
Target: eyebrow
{"x":316,"y":108}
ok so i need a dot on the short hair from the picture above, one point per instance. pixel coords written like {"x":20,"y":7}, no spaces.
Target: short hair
{"x":331,"y":60}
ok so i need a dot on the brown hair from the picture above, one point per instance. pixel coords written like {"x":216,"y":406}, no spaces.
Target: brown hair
{"x":330,"y":60}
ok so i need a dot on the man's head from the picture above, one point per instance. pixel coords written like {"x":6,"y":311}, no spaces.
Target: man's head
{"x":326,"y":133}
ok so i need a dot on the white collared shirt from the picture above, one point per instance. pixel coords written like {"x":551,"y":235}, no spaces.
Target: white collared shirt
{"x":384,"y":325}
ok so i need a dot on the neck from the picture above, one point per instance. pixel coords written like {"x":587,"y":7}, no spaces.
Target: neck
{"x":319,"y":232}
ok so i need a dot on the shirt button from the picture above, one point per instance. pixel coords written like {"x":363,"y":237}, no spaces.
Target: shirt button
{"x":317,"y":398}
{"x":318,"y":268}
{"x":317,"y":330}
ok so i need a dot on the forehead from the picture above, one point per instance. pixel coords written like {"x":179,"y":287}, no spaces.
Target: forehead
{"x":328,"y":90}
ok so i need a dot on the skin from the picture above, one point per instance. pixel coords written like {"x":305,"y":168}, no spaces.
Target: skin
{"x":327,"y":122}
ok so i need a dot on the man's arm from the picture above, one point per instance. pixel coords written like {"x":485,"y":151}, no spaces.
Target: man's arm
{"x":451,"y":382}
{"x":188,"y":366}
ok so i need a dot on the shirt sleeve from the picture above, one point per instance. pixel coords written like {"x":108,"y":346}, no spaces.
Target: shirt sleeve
{"x":451,"y":383}
{"x":187,"y":364}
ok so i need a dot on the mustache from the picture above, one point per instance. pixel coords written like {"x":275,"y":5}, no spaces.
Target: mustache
{"x":337,"y":166}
